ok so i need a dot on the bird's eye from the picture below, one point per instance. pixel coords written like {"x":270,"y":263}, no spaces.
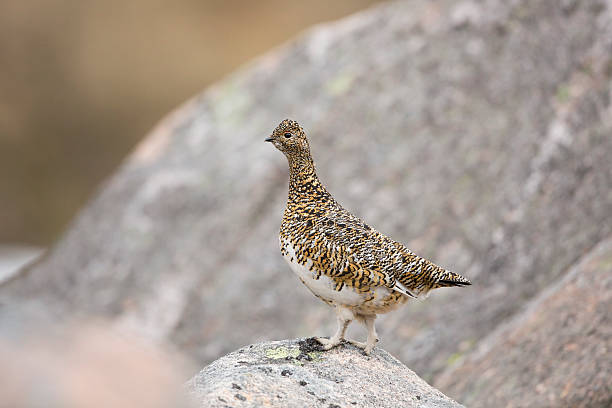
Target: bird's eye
{"x":287,"y":135}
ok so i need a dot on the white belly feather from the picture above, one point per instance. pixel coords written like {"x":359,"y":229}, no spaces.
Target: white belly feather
{"x":324,"y":286}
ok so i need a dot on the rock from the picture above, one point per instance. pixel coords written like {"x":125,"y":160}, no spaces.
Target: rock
{"x":295,"y":373}
{"x":557,"y":353}
{"x":481,"y":141}
{"x":15,"y":257}
{"x":84,"y":364}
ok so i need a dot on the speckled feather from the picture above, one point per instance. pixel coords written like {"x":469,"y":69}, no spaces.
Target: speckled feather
{"x":318,"y":233}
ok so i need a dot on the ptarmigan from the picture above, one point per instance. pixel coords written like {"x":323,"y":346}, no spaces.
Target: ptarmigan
{"x":341,"y":259}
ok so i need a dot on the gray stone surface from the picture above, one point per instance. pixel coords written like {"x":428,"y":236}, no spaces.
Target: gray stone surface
{"x":476,"y":132}
{"x":15,"y":257}
{"x":557,"y":353}
{"x":294,"y":373}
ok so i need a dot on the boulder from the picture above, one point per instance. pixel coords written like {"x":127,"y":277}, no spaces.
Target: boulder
{"x":295,"y":373}
{"x":556,"y":353}
{"x":84,"y":364}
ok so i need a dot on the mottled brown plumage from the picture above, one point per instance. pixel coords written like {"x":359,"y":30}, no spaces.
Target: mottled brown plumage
{"x":340,"y":258}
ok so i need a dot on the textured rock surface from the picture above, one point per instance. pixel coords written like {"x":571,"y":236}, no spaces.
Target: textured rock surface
{"x":558,"y":353}
{"x":293,"y":373}
{"x":478,"y":133}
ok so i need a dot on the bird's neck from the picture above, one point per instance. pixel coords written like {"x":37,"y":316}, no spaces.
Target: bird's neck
{"x":301,"y":171}
{"x":303,"y":181}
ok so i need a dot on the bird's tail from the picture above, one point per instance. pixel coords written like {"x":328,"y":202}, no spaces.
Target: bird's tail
{"x":451,"y":279}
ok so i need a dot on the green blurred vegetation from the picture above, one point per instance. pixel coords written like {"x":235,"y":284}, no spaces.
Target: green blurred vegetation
{"x":81,"y":82}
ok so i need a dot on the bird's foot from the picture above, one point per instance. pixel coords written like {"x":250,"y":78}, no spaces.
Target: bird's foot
{"x":328,"y":344}
{"x":366,"y":347}
{"x":358,"y":344}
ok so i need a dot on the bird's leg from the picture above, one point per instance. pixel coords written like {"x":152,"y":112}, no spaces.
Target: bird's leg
{"x":372,"y":335}
{"x":344,"y":318}
{"x":372,"y":339}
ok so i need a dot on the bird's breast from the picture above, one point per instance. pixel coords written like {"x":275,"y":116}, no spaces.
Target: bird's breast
{"x":319,"y":283}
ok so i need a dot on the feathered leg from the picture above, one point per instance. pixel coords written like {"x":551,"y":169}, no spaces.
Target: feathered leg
{"x":344,"y":318}
{"x":372,"y":339}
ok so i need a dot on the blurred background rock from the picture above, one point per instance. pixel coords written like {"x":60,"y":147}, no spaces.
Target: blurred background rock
{"x":84,"y":365}
{"x":81,"y":82}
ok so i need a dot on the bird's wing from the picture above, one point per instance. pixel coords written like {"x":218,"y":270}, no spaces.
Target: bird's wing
{"x":360,"y":256}
{"x":350,"y":252}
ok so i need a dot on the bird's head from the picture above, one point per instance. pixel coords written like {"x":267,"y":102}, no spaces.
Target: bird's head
{"x":290,"y":138}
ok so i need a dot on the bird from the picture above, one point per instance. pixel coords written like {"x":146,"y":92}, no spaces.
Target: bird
{"x":342,"y":260}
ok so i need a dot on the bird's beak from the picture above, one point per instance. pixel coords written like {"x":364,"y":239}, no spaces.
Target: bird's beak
{"x":269,"y":139}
